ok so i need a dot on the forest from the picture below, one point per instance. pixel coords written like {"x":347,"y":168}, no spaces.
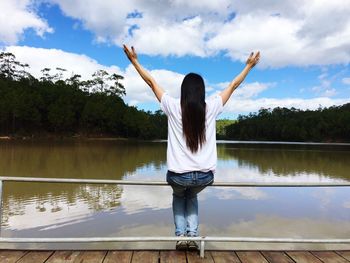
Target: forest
{"x":71,"y":107}
{"x":54,"y":106}
{"x":330,"y":124}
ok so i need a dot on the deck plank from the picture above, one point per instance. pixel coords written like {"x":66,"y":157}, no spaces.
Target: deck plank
{"x":224,"y":257}
{"x":345,"y":254}
{"x":115,"y":256}
{"x":193,"y":257}
{"x":172,"y":256}
{"x":35,"y":257}
{"x":66,"y":256}
{"x":251,"y":257}
{"x":277,"y":257}
{"x":11,"y":256}
{"x":303,"y":257}
{"x":145,"y":257}
{"x":329,"y":257}
{"x":90,"y":256}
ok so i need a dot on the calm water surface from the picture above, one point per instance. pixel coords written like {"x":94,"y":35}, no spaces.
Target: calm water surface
{"x":83,"y":210}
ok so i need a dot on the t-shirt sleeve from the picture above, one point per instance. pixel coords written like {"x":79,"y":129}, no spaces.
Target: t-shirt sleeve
{"x":165,"y":103}
{"x":215,"y":105}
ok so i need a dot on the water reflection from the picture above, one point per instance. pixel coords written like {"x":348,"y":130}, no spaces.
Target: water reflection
{"x":78,"y":159}
{"x":291,"y":160}
{"x":54,"y":206}
{"x":69,"y":210}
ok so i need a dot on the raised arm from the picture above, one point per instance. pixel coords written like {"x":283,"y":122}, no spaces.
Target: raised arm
{"x":251,"y":62}
{"x":132,"y":56}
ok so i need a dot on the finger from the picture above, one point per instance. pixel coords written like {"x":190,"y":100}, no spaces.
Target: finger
{"x":257,"y":60}
{"x":133,"y":50}
{"x":257,"y":56}
{"x":251,"y":55}
{"x":126,"y":50}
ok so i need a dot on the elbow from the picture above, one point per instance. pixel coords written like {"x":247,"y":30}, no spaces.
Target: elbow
{"x":152,"y":84}
{"x":235,"y":84}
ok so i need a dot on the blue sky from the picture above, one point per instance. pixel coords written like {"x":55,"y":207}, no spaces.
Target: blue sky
{"x":304,"y":46}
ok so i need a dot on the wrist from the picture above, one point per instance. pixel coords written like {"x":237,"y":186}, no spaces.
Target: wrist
{"x":249,"y":66}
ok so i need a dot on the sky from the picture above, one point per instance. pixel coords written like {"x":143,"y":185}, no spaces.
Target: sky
{"x":304,"y":45}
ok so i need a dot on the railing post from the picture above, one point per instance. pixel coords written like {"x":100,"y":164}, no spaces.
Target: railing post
{"x":202,"y":249}
{"x":0,"y":206}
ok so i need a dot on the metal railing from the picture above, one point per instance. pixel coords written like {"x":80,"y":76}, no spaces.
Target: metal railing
{"x":201,"y":239}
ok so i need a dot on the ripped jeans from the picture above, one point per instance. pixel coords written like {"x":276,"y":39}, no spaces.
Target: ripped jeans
{"x":186,"y":186}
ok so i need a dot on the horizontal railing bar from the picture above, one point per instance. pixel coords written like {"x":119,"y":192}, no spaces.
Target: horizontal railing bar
{"x":122,"y":182}
{"x":155,"y":239}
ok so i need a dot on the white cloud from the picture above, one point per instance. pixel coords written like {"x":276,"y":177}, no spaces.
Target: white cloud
{"x":39,"y":58}
{"x":301,"y":33}
{"x":324,"y":88}
{"x":249,"y":90}
{"x":182,"y":38}
{"x":273,"y":36}
{"x":244,"y":99}
{"x":17,"y":16}
{"x":237,"y":105}
{"x":137,"y":90}
{"x":246,"y":90}
{"x":346,"y":81}
{"x":324,"y":91}
{"x":107,"y":19}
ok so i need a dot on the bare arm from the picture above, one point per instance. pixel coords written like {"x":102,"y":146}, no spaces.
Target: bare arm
{"x":251,"y":62}
{"x":132,"y":56}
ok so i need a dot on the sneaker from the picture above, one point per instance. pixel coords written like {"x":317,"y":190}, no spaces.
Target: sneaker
{"x":192,"y":245}
{"x":181,"y":245}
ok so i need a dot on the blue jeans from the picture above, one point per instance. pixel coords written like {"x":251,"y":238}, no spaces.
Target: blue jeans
{"x":186,"y":186}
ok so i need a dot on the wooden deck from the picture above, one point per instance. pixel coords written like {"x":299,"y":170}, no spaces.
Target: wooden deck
{"x":143,"y":256}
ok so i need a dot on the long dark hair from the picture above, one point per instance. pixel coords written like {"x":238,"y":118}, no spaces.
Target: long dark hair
{"x":193,"y":111}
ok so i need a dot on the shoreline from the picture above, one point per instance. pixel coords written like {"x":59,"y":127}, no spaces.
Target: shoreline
{"x":55,"y":137}
{"x":108,"y":138}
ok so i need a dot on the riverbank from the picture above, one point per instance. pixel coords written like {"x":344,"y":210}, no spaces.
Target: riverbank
{"x":63,"y":137}
{"x":106,"y":137}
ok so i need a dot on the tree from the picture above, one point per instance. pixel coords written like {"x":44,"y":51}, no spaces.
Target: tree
{"x":282,"y":124}
{"x":117,"y":88}
{"x":74,"y":81}
{"x":46,"y":75}
{"x":99,"y":81}
{"x":8,"y":65}
{"x":60,"y":72}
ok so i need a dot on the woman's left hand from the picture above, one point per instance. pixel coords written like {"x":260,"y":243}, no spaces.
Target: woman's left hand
{"x":253,"y":59}
{"x":131,"y":54}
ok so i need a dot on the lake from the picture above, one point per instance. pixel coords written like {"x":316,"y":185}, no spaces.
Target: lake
{"x":86,"y":210}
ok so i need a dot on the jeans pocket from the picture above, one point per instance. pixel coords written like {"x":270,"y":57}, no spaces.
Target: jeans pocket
{"x":205,"y":179}
{"x":174,"y":179}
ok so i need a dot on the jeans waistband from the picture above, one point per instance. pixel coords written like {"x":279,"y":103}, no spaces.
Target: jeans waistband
{"x":191,"y":172}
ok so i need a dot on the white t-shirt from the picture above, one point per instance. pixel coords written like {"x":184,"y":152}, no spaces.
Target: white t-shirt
{"x":180,"y":159}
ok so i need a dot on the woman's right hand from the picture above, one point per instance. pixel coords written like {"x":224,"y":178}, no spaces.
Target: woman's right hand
{"x":131,"y":54}
{"x":253,"y":59}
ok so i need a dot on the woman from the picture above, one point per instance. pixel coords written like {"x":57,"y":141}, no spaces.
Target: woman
{"x":191,"y":151}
